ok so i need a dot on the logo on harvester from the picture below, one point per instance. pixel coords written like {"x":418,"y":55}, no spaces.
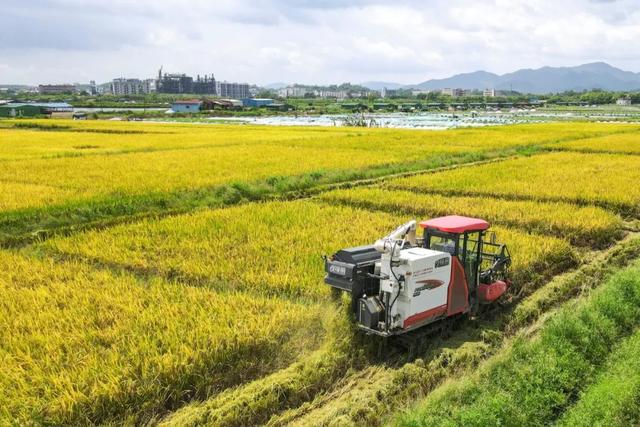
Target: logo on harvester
{"x":442,"y":262}
{"x":427,"y":285}
{"x":338,"y":269}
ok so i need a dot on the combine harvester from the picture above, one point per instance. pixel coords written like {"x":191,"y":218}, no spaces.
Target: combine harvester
{"x":402,"y":283}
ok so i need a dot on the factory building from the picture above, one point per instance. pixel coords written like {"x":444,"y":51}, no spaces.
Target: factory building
{"x":293,"y":92}
{"x":174,"y":83}
{"x":56,"y":89}
{"x":256,"y":102}
{"x":489,"y":93}
{"x":32,"y":109}
{"x":21,"y":110}
{"x":205,"y":85}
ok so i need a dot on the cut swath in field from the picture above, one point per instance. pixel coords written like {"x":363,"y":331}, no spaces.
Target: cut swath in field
{"x":255,"y":402}
{"x":581,"y":225}
{"x":272,"y":248}
{"x":536,"y":378}
{"x":607,"y":180}
{"x":80,"y":345}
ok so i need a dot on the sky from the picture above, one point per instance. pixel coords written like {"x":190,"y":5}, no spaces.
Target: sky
{"x":306,"y":41}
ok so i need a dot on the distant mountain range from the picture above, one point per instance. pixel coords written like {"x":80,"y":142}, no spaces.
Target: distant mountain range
{"x":596,"y":75}
{"x":275,"y":86}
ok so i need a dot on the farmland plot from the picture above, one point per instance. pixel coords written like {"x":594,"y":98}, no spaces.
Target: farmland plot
{"x":220,"y":316}
{"x":627,"y":143}
{"x":590,"y":225}
{"x":126,"y":174}
{"x":270,"y":248}
{"x":603,"y":179}
{"x":282,"y":243}
{"x":147,"y":158}
{"x":84,"y":346}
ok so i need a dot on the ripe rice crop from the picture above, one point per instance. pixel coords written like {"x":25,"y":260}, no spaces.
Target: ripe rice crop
{"x":603,"y":179}
{"x":536,"y":378}
{"x":171,"y":157}
{"x":628,"y":143}
{"x":266,"y":248}
{"x":368,"y":138}
{"x":612,"y":400}
{"x":82,"y":346}
{"x":69,"y":140}
{"x":271,"y":248}
{"x":122,"y":174}
{"x":15,"y":195}
{"x":590,"y":225}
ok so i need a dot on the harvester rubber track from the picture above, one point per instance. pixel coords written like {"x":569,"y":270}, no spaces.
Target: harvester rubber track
{"x":413,"y":343}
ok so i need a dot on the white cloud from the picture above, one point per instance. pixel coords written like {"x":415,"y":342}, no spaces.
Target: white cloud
{"x":309,"y":41}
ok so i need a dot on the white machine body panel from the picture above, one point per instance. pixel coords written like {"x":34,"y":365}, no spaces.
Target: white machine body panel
{"x":427,"y":276}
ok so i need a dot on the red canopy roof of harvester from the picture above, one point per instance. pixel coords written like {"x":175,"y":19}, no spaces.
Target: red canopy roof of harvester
{"x":455,"y":224}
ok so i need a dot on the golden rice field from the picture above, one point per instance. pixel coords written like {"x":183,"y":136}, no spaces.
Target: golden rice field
{"x":81,"y":345}
{"x":628,"y":143}
{"x":601,"y":179}
{"x":277,"y":254}
{"x":204,"y":309}
{"x":580,"y":224}
{"x":85,"y":165}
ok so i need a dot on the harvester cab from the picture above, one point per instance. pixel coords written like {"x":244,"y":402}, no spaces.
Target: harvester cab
{"x":403,"y":282}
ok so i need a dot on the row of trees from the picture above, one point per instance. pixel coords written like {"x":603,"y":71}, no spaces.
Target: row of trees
{"x":593,"y":97}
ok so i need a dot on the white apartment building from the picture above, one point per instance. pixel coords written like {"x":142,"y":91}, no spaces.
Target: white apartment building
{"x":293,"y":92}
{"x":233,"y":90}
{"x":489,"y":93}
{"x":337,"y":94}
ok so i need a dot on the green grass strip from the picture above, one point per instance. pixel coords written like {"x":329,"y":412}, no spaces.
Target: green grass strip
{"x":536,"y":379}
{"x":614,"y":399}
